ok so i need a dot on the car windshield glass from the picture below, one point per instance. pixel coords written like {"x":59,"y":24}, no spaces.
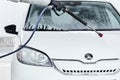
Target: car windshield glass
{"x":99,"y":15}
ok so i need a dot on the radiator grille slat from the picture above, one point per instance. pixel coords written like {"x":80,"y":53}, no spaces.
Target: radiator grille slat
{"x":108,"y":71}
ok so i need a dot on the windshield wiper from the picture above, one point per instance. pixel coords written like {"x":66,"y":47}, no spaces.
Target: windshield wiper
{"x":59,"y":6}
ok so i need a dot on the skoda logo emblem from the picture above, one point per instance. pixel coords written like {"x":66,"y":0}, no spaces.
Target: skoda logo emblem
{"x":88,"y":56}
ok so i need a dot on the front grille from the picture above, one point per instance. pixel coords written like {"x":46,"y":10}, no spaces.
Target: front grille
{"x":76,"y":67}
{"x":108,"y":71}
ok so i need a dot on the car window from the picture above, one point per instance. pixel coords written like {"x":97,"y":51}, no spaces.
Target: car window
{"x":99,"y":15}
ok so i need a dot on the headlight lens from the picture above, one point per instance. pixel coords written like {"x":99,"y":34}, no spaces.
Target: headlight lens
{"x":33,"y":57}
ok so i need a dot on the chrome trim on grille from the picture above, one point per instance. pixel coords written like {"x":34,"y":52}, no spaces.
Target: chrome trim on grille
{"x":86,"y":62}
{"x":86,"y":72}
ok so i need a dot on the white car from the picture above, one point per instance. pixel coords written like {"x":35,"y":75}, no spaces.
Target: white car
{"x":64,"y":49}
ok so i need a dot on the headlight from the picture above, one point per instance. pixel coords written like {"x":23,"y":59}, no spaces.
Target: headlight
{"x":33,"y":57}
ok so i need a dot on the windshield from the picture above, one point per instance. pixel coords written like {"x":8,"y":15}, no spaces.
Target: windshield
{"x":100,"y":16}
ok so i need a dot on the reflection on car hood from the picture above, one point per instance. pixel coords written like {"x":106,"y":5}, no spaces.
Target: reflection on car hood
{"x":75,"y":44}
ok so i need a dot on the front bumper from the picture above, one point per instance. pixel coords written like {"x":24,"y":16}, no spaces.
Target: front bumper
{"x":26,"y":72}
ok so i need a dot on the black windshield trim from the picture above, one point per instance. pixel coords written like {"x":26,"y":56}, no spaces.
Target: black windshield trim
{"x":75,"y":30}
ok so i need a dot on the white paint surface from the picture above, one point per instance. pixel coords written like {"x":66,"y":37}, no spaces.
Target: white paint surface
{"x":5,"y":64}
{"x":5,"y":71}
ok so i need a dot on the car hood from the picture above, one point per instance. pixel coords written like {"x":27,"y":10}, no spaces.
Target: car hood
{"x":76,"y":44}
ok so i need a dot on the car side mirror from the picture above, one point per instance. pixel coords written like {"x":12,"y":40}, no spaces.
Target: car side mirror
{"x":11,"y":29}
